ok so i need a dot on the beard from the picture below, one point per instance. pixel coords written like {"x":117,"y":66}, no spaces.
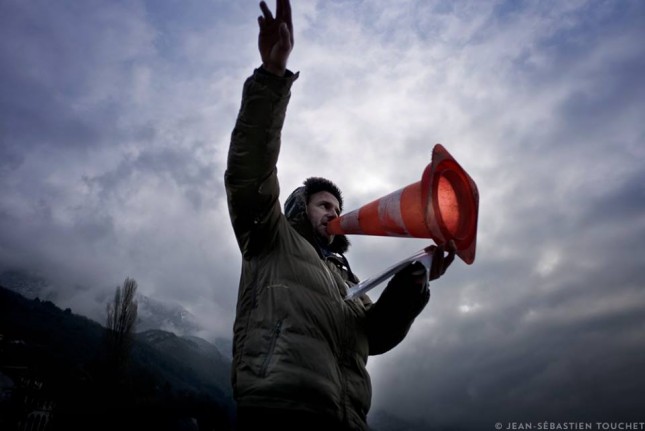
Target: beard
{"x":322,"y":236}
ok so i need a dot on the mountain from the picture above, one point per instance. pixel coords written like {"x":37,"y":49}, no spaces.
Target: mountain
{"x":29,"y":285}
{"x":175,"y":382}
{"x":55,"y":369}
{"x":155,"y":314}
{"x":192,"y":355}
{"x":225,"y":346}
{"x":152,"y":313}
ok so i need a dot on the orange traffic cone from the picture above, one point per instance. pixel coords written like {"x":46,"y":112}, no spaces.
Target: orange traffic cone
{"x":442,"y":206}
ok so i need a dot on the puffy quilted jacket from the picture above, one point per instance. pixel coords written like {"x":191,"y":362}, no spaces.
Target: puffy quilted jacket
{"x":298,"y":344}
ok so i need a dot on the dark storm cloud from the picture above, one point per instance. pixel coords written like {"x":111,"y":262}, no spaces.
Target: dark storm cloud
{"x":546,"y":324}
{"x":623,"y":205}
{"x":52,"y":55}
{"x":548,"y":356}
{"x":105,"y":141}
{"x":522,"y":345}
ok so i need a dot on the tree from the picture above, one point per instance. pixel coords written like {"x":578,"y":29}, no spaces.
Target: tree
{"x":121,"y":319}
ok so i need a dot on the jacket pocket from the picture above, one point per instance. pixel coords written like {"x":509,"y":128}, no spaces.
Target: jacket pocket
{"x":275,"y":334}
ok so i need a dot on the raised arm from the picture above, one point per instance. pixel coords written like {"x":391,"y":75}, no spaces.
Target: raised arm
{"x":251,"y":179}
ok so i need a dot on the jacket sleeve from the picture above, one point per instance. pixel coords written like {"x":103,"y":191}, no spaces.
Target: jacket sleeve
{"x":250,"y":179}
{"x":389,"y":319}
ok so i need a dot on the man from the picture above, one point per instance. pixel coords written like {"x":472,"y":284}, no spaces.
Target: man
{"x":300,"y":347}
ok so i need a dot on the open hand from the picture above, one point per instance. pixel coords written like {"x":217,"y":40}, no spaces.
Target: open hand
{"x":275,"y":40}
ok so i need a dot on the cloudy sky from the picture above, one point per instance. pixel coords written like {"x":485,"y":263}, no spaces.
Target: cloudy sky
{"x":115,"y":118}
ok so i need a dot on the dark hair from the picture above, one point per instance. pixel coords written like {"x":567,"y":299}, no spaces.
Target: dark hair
{"x":317,"y":184}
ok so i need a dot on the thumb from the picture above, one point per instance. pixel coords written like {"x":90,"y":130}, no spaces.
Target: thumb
{"x":414,"y":273}
{"x":285,"y":36}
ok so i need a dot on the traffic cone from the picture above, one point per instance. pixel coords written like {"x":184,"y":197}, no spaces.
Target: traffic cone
{"x":442,"y":206}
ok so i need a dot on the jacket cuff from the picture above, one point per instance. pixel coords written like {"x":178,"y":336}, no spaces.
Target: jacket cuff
{"x":279,"y":84}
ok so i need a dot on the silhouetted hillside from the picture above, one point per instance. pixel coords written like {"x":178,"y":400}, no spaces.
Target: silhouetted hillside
{"x":53,"y":375}
{"x":190,"y":363}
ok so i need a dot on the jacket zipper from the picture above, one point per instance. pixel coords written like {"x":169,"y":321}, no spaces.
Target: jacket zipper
{"x":274,"y":339}
{"x":254,"y":266}
{"x":341,"y":354}
{"x":332,"y":282}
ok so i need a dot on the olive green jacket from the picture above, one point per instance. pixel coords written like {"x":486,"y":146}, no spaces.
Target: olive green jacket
{"x":298,"y":344}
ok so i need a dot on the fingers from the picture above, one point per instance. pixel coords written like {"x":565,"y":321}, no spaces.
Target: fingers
{"x":441,"y":262}
{"x":278,"y":8}
{"x":266,"y":11}
{"x":419,"y":279}
{"x":282,"y":16}
{"x":452,"y":249}
{"x":411,"y":278}
{"x":284,"y":13}
{"x":283,"y":10}
{"x":418,"y":272}
{"x":437,"y":262}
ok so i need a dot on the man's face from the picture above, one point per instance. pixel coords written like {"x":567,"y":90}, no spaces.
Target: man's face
{"x":321,"y":209}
